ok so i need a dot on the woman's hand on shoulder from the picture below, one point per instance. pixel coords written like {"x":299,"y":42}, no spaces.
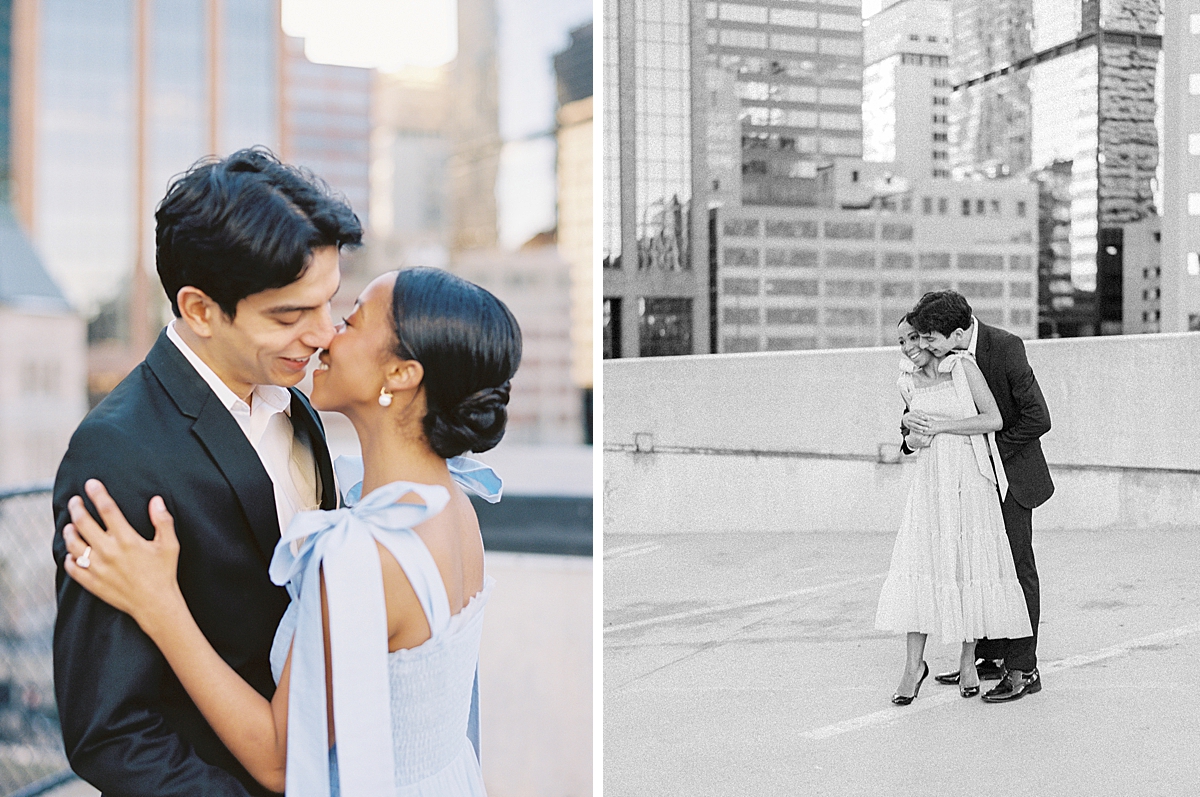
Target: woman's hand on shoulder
{"x":122,"y":568}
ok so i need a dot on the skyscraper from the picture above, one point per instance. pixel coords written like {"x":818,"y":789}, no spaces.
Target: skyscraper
{"x":906,"y":88}
{"x":573,"y":68}
{"x":1181,"y":168}
{"x":799,"y":80}
{"x":1066,"y":90}
{"x":474,"y":128}
{"x":326,"y":113}
{"x":44,"y":341}
{"x":115,"y":99}
{"x":655,"y":254}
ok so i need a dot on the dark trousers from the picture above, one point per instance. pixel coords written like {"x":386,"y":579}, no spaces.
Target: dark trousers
{"x":1018,"y":654}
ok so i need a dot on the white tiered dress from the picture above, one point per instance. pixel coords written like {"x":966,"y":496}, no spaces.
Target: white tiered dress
{"x":405,"y":720}
{"x":952,"y":574}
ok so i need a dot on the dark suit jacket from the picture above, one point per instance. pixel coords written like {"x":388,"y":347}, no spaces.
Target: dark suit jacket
{"x":128,"y":725}
{"x":1001,"y":358}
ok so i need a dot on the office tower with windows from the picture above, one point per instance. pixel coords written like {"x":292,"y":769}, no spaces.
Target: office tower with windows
{"x":1181,"y":167}
{"x":906,"y":88}
{"x":117,"y":98}
{"x":43,"y":396}
{"x":655,"y":251}
{"x":989,"y":120}
{"x":573,"y":69}
{"x":828,"y":277}
{"x":799,"y":82}
{"x":1066,"y":90}
{"x":475,"y":128}
{"x":326,"y":114}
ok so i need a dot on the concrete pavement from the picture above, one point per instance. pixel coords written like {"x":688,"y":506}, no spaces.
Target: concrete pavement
{"x":747,"y":664}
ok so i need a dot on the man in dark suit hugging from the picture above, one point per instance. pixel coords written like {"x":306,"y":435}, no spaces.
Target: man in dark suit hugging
{"x":945,"y":323}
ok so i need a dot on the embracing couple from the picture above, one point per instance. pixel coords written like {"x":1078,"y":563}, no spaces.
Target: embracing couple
{"x":962,"y":567}
{"x":229,"y":621}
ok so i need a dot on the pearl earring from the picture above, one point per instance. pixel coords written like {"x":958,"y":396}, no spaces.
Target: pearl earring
{"x":385,"y":398}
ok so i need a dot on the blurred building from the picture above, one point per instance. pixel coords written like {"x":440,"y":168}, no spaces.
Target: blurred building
{"x":906,"y":88}
{"x":410,"y":155}
{"x":655,"y":248}
{"x":573,"y":68}
{"x":799,"y":80}
{"x":535,"y":283}
{"x":326,"y":113}
{"x":832,"y":277}
{"x":43,"y":341}
{"x":113,"y":99}
{"x":474,"y":128}
{"x":1180,"y":95}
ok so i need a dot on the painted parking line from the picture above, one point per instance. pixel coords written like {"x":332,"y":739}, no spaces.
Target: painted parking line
{"x":894,"y":714}
{"x":631,"y":550}
{"x":726,"y":607}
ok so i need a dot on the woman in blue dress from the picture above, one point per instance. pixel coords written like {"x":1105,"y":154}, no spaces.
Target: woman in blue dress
{"x":376,"y":656}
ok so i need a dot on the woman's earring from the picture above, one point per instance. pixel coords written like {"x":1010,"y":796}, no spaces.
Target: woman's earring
{"x":385,"y":398}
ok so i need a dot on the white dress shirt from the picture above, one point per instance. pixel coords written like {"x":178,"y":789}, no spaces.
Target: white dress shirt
{"x":974,"y":336}
{"x":266,"y":422}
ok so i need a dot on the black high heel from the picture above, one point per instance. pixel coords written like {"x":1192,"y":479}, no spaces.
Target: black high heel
{"x":904,"y":700}
{"x":969,"y":691}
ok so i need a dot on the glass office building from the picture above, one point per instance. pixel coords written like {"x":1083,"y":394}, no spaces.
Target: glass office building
{"x":210,"y":85}
{"x":655,"y":276}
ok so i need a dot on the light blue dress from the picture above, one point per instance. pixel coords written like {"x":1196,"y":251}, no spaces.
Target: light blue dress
{"x":407,"y":721}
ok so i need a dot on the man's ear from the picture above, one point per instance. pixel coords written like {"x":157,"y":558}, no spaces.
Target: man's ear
{"x":197,"y":310}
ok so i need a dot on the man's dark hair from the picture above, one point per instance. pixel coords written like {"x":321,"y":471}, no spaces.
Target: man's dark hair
{"x":247,"y":223}
{"x":941,"y":311}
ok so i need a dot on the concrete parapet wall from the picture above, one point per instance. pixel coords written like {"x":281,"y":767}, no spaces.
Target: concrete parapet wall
{"x":791,"y":440}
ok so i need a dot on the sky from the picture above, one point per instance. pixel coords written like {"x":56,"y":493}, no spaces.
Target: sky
{"x":390,"y":34}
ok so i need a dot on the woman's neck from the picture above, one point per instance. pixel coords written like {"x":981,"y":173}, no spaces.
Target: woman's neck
{"x":930,"y":369}
{"x":392,"y":453}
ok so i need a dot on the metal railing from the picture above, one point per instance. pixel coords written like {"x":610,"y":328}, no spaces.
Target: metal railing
{"x":31,"y":748}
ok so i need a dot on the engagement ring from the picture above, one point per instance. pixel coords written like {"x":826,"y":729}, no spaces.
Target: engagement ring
{"x":85,"y":561}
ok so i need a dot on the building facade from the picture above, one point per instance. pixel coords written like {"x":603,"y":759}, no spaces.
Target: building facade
{"x":474,"y":129}
{"x":989,"y":120}
{"x":1181,"y":167}
{"x":326,"y":113}
{"x":573,"y":68}
{"x":410,"y":157}
{"x":1070,"y":89}
{"x":799,"y":83}
{"x":811,"y":278}
{"x":906,"y":88}
{"x":113,"y":100}
{"x":655,"y":248}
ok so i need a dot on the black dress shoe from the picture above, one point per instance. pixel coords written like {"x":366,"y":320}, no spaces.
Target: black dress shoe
{"x":904,"y":700}
{"x":988,"y":671}
{"x":1013,"y":686}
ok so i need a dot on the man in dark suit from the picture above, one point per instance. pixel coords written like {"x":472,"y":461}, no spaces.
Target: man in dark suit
{"x":211,"y":420}
{"x":945,"y":322}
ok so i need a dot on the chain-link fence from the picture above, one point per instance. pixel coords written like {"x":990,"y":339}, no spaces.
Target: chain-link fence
{"x":30,"y":741}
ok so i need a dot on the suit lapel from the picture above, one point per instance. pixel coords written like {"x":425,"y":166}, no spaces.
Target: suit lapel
{"x":221,"y":436}
{"x":239,"y":462}
{"x":307,"y":424}
{"x":983,"y":353}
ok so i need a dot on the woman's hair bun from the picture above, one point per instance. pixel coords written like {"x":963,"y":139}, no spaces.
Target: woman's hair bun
{"x":469,"y":344}
{"x":476,"y":424}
